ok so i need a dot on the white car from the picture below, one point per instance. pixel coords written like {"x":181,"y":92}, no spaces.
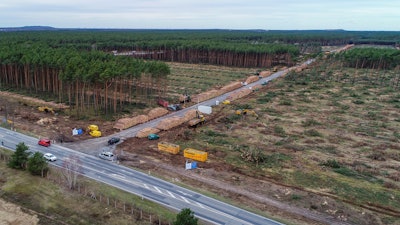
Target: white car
{"x":50,"y":157}
{"x":107,"y":156}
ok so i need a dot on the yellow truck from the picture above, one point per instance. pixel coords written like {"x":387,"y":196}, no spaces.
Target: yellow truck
{"x":194,"y":154}
{"x":168,"y":147}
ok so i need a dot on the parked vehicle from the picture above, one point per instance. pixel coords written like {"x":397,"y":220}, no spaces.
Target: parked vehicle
{"x":174,"y":107}
{"x":153,"y":137}
{"x":107,"y":156}
{"x":44,"y":142}
{"x":163,"y":103}
{"x":50,"y":157}
{"x":113,"y":140}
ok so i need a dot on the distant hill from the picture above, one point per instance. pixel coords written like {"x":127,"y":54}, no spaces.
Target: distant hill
{"x":27,"y":28}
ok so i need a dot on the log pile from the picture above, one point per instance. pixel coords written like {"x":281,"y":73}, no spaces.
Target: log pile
{"x":251,"y":79}
{"x":125,"y":123}
{"x":169,"y":123}
{"x":231,"y":87}
{"x":206,"y":95}
{"x":157,"y":112}
{"x":146,"y":131}
{"x":189,"y":115}
{"x":239,"y":94}
{"x":265,"y":74}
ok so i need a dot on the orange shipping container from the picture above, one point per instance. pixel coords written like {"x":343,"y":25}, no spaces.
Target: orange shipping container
{"x":194,"y":154}
{"x":168,"y":147}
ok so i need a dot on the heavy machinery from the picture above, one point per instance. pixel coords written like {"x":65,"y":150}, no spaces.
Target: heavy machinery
{"x":46,"y":109}
{"x":246,"y":112}
{"x":184,"y":98}
{"x":200,"y":119}
{"x":94,"y":131}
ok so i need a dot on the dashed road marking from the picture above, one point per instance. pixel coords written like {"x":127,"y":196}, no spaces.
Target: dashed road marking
{"x":171,"y":194}
{"x":157,"y":189}
{"x":185,"y":199}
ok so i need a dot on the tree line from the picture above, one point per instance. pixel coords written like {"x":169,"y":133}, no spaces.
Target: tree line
{"x":85,"y":80}
{"x":371,"y":58}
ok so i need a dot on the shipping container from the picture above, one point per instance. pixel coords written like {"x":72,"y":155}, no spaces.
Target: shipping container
{"x":194,"y":154}
{"x":168,"y":147}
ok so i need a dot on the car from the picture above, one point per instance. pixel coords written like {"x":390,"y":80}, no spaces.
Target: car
{"x":107,"y":156}
{"x":153,"y":137}
{"x":113,"y":140}
{"x":50,"y":157}
{"x":44,"y":142}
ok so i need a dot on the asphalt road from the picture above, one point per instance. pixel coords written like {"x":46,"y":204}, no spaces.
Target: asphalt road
{"x":142,"y":184}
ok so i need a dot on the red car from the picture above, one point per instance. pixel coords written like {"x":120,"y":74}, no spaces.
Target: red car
{"x":44,"y":142}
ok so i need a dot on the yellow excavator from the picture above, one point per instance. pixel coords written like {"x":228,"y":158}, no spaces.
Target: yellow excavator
{"x":200,"y":119}
{"x":46,"y":109}
{"x":246,"y":112}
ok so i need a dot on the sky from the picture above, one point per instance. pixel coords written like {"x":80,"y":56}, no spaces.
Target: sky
{"x":357,"y":15}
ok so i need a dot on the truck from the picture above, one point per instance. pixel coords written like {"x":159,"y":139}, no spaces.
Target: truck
{"x":195,"y":154}
{"x":168,"y":147}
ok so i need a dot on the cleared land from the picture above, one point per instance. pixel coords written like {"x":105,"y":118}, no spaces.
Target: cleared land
{"x":326,"y":141}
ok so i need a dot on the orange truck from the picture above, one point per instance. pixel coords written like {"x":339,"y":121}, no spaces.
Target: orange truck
{"x":194,"y":154}
{"x":168,"y":147}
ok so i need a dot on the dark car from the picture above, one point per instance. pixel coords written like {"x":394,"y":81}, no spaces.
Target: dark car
{"x":113,"y":140}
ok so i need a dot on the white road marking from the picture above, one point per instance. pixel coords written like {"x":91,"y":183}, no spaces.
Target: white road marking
{"x":199,"y":204}
{"x":145,"y":185}
{"x":171,"y":194}
{"x":185,"y":199}
{"x":157,"y":189}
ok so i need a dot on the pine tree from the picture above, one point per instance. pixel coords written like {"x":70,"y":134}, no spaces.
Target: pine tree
{"x":37,"y":164}
{"x":20,"y":157}
{"x":185,"y":217}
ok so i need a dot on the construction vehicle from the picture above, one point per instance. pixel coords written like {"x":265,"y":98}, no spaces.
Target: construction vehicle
{"x":246,"y":112}
{"x":200,"y":119}
{"x":184,"y":98}
{"x":94,"y":131}
{"x":46,"y":109}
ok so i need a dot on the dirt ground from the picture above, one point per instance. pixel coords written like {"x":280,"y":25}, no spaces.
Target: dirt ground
{"x":12,"y":214}
{"x":261,"y":194}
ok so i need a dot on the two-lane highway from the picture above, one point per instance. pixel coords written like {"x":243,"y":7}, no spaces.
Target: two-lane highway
{"x":144,"y":185}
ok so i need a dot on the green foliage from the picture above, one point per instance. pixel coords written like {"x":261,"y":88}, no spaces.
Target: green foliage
{"x":37,"y":164}
{"x":371,"y":58}
{"x":313,"y":133}
{"x":332,"y":164}
{"x":185,"y":217}
{"x":20,"y":157}
{"x":310,"y":122}
{"x":280,"y":131}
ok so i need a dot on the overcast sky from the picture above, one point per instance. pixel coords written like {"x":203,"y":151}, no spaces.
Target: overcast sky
{"x":204,"y":14}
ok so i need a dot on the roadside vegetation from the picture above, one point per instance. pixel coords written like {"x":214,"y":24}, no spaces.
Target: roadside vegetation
{"x":54,"y":203}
